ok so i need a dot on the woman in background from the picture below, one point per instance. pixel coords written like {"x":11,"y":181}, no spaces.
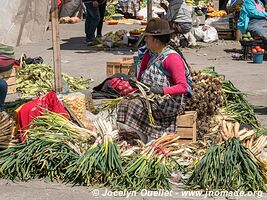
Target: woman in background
{"x":253,"y":18}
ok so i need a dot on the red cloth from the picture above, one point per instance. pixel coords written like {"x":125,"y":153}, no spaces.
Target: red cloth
{"x":58,"y":3}
{"x":175,"y":66}
{"x":6,"y":61}
{"x":121,"y":86}
{"x":32,"y":109}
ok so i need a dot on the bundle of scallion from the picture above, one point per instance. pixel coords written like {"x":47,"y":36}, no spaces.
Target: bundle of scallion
{"x":36,"y":158}
{"x":55,"y":127}
{"x":100,"y":162}
{"x":151,"y":168}
{"x":228,"y":166}
{"x":237,"y":106}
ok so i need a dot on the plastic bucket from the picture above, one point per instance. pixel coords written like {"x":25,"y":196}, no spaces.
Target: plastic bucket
{"x":257,"y":58}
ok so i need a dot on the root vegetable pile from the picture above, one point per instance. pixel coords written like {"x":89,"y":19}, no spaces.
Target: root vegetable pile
{"x":76,"y":102}
{"x":249,"y":138}
{"x":207,"y":99}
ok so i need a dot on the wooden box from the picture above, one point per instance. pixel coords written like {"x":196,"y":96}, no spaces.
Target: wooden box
{"x":226,"y":34}
{"x":10,"y":78}
{"x":186,"y":127}
{"x":121,"y":65}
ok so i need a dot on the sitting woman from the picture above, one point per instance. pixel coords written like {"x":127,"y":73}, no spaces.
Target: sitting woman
{"x":165,"y":72}
{"x":253,"y":18}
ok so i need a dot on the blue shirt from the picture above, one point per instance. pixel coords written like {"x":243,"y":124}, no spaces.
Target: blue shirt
{"x":248,"y":12}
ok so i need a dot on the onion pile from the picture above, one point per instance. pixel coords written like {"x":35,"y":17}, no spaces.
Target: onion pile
{"x":207,"y":99}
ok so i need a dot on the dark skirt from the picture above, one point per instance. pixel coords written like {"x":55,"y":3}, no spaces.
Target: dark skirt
{"x":135,"y":114}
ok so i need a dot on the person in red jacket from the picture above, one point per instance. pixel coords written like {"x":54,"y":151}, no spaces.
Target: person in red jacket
{"x":165,"y":72}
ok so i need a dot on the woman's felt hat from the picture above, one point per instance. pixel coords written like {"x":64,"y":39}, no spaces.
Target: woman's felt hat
{"x":157,"y":26}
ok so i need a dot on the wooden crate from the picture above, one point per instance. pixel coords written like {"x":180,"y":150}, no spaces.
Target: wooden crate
{"x":226,"y":34}
{"x":186,"y":127}
{"x":10,"y":78}
{"x":121,"y":65}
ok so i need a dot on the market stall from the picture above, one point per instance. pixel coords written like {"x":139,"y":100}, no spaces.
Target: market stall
{"x":85,"y":148}
{"x":219,"y":143}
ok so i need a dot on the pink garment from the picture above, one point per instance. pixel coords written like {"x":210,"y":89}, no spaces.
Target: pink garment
{"x":259,"y":7}
{"x":58,"y":3}
{"x":175,"y":66}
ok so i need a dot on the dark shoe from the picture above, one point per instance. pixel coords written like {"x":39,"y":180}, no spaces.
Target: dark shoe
{"x":90,"y":43}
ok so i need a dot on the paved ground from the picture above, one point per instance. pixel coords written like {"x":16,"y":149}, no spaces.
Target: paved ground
{"x":78,"y":60}
{"x":40,"y":190}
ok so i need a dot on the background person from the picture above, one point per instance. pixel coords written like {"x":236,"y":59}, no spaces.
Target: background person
{"x":164,"y":71}
{"x":130,"y":8}
{"x":179,"y":16}
{"x":3,"y":93}
{"x":253,"y":18}
{"x":94,"y":12}
{"x":102,"y":9}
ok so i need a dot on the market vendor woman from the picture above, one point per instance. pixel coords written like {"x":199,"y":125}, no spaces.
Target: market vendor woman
{"x":253,"y":18}
{"x":164,"y":70}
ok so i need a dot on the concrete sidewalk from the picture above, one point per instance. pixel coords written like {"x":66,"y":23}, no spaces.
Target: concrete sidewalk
{"x":40,"y":190}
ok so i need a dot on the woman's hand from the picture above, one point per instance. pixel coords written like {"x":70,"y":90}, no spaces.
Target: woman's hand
{"x":157,"y":90}
{"x":132,"y":81}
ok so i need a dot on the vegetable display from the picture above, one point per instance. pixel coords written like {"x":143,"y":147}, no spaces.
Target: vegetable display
{"x":228,"y":166}
{"x":100,"y":162}
{"x":206,"y":100}
{"x":36,"y":158}
{"x":151,"y":168}
{"x":57,"y":149}
{"x":257,"y":49}
{"x":36,"y":79}
{"x":237,"y":106}
{"x":55,"y":127}
{"x":249,"y":138}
